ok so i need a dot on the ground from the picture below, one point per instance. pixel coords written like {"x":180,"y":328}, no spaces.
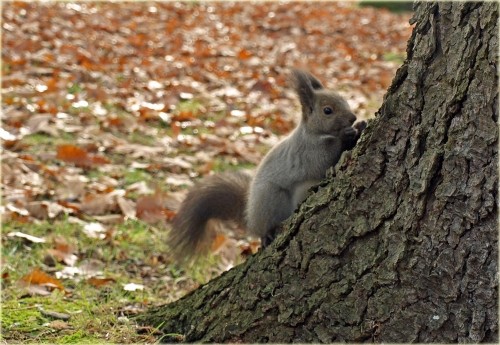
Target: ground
{"x":112,"y":110}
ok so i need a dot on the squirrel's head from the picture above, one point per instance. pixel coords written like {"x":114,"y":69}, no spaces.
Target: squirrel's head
{"x":323,"y":111}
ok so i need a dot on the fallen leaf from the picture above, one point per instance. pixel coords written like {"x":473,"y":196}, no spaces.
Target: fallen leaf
{"x":63,"y":252}
{"x":73,"y":154}
{"x":178,"y":180}
{"x":40,"y":281}
{"x":4,"y":135}
{"x":110,"y":218}
{"x":127,"y":207}
{"x":5,"y":279}
{"x":59,"y":325}
{"x":151,"y":208}
{"x":68,"y":272}
{"x":99,"y":203}
{"x":140,"y":187}
{"x":99,"y":282}
{"x":46,"y":209}
{"x":30,"y":238}
{"x":95,"y":230}
{"x":40,"y":124}
{"x":78,"y":156}
{"x":218,"y":241}
{"x":133,"y":287}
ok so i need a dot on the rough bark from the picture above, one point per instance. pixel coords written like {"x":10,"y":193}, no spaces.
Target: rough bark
{"x":400,"y":244}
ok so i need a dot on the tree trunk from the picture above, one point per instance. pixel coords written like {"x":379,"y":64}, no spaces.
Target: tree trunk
{"x":400,"y":244}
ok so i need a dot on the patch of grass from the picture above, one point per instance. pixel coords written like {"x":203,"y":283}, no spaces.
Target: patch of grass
{"x":393,"y":6}
{"x":90,"y":320}
{"x":97,"y":314}
{"x":95,"y":174}
{"x":6,"y":68}
{"x":142,"y":139}
{"x":115,"y":108}
{"x":229,"y":164}
{"x":395,"y":57}
{"x":136,"y":175}
{"x":138,"y":235}
{"x":79,"y":110}
{"x":37,"y":139}
{"x":193,"y":106}
{"x":23,"y":316}
{"x":75,"y":88}
{"x":78,"y":337}
{"x":199,"y":268}
{"x":19,"y":256}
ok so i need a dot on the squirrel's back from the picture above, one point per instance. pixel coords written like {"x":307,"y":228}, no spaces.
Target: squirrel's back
{"x":221,"y":196}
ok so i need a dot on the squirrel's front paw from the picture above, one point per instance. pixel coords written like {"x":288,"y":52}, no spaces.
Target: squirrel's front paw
{"x":349,"y":132}
{"x":360,"y":127}
{"x":352,"y":134}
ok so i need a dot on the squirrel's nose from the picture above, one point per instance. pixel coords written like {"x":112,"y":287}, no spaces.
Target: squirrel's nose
{"x":351,"y":118}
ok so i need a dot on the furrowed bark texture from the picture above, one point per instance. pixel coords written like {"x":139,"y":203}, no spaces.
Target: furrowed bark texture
{"x":400,"y":245}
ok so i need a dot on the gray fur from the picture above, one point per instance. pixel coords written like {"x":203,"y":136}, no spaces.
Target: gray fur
{"x":282,"y":179}
{"x":300,"y":159}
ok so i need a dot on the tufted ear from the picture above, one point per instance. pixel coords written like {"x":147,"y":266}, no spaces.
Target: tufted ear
{"x":305,"y":84}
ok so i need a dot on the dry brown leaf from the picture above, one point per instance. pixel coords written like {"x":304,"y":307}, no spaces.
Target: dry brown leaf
{"x":59,"y":325}
{"x":151,"y":208}
{"x":40,"y":281}
{"x":140,"y":187}
{"x":100,"y":282}
{"x":109,"y":219}
{"x":46,"y":209}
{"x":73,"y":154}
{"x":248,"y":248}
{"x":5,"y":278}
{"x":127,"y":207}
{"x":63,"y":251}
{"x":218,"y":241}
{"x":78,"y":156}
{"x":178,"y":180}
{"x":99,"y":204}
{"x":40,"y":124}
{"x":138,"y":151}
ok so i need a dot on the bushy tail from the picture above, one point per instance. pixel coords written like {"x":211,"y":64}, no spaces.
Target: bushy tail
{"x":222,"y":196}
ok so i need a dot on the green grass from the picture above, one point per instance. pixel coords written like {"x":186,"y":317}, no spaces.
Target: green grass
{"x":115,"y":108}
{"x":192,"y":105}
{"x":75,"y":88}
{"x":37,"y":139}
{"x":228,"y":164}
{"x":395,"y":57}
{"x":136,"y":175}
{"x":90,"y":320}
{"x":6,"y":68}
{"x":142,"y":139}
{"x":393,"y":6}
{"x":96,"y":312}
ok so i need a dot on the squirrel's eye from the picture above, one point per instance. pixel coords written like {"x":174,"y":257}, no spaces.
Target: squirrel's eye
{"x":327,"y":110}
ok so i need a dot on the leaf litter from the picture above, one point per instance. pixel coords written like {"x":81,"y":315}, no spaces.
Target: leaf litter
{"x":112,"y":110}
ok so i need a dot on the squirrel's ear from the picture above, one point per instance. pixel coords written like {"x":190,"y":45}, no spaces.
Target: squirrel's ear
{"x":315,"y":83}
{"x":305,"y":84}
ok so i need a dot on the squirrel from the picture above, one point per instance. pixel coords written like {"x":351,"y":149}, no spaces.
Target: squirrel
{"x":283,"y":178}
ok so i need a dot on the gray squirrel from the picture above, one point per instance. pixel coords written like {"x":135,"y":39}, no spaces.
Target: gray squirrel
{"x":283,"y":178}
